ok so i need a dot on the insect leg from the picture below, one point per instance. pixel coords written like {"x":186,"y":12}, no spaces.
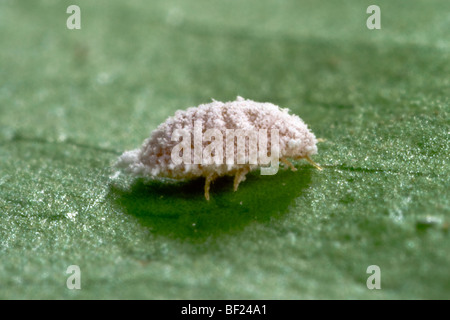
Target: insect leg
{"x":239,"y":177}
{"x":209,"y":179}
{"x":288,"y":163}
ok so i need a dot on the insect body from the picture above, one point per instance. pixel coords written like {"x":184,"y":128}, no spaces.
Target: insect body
{"x":214,"y":152}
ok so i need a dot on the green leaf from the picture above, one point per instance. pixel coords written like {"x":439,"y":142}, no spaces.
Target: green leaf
{"x":72,"y":100}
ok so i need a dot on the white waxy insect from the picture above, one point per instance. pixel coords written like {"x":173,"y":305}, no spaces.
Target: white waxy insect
{"x":231,"y":138}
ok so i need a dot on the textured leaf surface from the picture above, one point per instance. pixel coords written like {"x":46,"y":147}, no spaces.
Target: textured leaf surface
{"x":71,"y":101}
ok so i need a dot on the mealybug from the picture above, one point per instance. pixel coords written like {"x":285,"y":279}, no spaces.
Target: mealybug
{"x":218,"y":139}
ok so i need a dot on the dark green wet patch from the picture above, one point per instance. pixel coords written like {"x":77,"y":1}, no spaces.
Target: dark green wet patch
{"x":180,"y":210}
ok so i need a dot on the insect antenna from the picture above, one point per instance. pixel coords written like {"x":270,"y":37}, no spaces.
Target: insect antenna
{"x":307,"y":158}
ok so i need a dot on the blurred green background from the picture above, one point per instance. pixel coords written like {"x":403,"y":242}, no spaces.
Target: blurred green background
{"x":72,"y":100}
